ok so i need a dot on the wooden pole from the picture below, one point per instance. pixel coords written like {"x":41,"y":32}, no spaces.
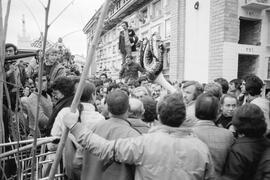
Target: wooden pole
{"x":3,"y":32}
{"x":75,"y":102}
{"x":5,"y":35}
{"x":2,"y":128}
{"x":34,"y":150}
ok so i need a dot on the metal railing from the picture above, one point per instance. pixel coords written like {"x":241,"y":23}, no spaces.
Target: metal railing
{"x":20,"y":159}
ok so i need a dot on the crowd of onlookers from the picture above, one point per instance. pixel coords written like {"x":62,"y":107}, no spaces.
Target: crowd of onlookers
{"x":140,"y":130}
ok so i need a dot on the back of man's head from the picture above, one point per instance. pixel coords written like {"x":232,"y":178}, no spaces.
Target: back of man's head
{"x":88,"y":92}
{"x":65,"y":85}
{"x":136,"y":108}
{"x":206,"y":107}
{"x":118,"y":102}
{"x":171,"y":110}
{"x":253,"y":84}
{"x":213,"y":88}
{"x":149,"y":105}
{"x":224,"y":84}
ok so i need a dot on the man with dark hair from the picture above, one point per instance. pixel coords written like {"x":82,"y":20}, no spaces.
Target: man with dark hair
{"x":217,"y":139}
{"x":171,"y":110}
{"x":15,"y":75}
{"x":89,"y":117}
{"x":11,"y":49}
{"x":114,"y":128}
{"x":103,"y":77}
{"x":167,"y":152}
{"x":62,"y":87}
{"x":150,"y":114}
{"x":191,"y":90}
{"x":127,"y":41}
{"x":63,"y":94}
{"x":117,"y":102}
{"x":206,"y":107}
{"x":245,"y":153}
{"x":224,"y":84}
{"x":235,"y":87}
{"x":130,"y":70}
{"x":253,"y":86}
{"x":86,"y":107}
{"x":228,"y":106}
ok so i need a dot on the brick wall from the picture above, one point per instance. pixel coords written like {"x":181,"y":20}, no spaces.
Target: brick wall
{"x":231,"y":21}
{"x":177,"y":40}
{"x":224,"y":27}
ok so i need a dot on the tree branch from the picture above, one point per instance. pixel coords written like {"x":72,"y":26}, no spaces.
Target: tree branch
{"x":61,"y":13}
{"x":34,"y":150}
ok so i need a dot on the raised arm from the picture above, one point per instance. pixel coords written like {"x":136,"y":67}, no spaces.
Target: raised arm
{"x":127,"y":150}
{"x":151,"y":59}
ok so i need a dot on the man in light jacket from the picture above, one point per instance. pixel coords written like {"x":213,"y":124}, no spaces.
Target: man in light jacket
{"x":167,"y":152}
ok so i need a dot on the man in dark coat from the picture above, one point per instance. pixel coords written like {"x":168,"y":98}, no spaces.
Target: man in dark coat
{"x":263,"y":171}
{"x":130,"y":69}
{"x":15,"y":75}
{"x":127,"y":41}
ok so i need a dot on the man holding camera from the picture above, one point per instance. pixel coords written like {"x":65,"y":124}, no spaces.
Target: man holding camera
{"x":15,"y":74}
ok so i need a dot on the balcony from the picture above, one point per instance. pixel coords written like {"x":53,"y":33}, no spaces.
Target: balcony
{"x":256,"y":4}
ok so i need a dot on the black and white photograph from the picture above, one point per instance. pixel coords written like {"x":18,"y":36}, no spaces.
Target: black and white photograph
{"x":134,"y":89}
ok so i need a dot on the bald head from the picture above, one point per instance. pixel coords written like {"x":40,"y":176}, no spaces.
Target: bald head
{"x":136,"y":108}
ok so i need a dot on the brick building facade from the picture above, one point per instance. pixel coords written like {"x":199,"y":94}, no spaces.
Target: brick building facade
{"x":204,"y":39}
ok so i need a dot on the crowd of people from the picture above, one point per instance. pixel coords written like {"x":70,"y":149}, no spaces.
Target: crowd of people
{"x":218,"y":130}
{"x":135,"y":129}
